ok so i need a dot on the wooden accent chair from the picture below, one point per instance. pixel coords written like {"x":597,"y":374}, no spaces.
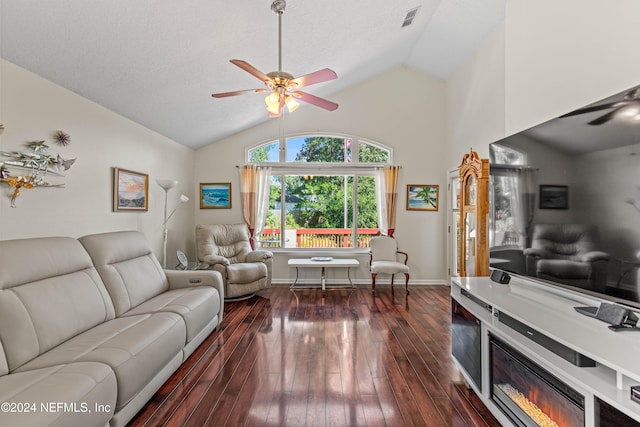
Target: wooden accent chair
{"x":383,"y":258}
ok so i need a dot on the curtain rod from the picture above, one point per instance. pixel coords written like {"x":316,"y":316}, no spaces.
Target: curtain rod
{"x":516,"y":167}
{"x":322,"y":165}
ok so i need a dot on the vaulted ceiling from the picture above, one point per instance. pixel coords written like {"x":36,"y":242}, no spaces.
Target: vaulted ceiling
{"x":157,"y":62}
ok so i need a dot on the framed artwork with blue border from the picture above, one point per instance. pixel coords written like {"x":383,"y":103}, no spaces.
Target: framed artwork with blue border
{"x":215,"y":195}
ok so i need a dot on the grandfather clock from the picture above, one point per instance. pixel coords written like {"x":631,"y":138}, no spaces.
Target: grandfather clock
{"x":474,"y":215}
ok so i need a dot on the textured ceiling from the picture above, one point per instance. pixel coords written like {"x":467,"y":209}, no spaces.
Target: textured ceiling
{"x":157,"y":61}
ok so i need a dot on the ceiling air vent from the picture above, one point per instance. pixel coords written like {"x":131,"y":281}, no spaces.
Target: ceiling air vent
{"x":410,"y":16}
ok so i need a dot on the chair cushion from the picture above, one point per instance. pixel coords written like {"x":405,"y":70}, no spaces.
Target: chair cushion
{"x":82,"y":383}
{"x":383,"y":248}
{"x":228,"y":240}
{"x":246,"y":272}
{"x":194,"y":305}
{"x":135,"y":347}
{"x":389,"y":267}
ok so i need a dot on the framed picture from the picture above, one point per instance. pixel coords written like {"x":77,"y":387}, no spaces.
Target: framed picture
{"x":422,"y":197}
{"x":130,"y":190}
{"x":215,"y":195}
{"x":554,"y":197}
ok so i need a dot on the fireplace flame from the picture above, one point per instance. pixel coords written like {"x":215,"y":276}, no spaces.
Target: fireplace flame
{"x":528,"y":407}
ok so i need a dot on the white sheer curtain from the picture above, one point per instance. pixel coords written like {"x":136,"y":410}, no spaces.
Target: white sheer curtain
{"x":514,"y":206}
{"x":386,"y":198}
{"x":255,"y":183}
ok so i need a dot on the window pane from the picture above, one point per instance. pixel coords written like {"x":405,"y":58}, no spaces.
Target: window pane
{"x":319,"y":149}
{"x":320,"y":208}
{"x":265,"y":153}
{"x":503,"y":155}
{"x":367,"y":212}
{"x":505,"y":205}
{"x":368,"y":153}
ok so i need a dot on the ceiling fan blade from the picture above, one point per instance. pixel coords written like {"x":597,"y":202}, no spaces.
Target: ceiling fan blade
{"x":596,"y":108}
{"x":315,"y":77}
{"x":251,"y":70}
{"x":604,"y":118}
{"x":237,"y":92}
{"x":312,"y":99}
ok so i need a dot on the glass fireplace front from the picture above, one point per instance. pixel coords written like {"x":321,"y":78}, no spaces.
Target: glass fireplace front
{"x":529,"y":395}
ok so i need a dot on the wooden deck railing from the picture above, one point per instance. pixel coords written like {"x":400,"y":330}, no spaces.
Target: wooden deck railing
{"x":321,"y":237}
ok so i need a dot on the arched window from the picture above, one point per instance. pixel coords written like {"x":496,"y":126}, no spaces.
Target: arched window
{"x":322,"y":191}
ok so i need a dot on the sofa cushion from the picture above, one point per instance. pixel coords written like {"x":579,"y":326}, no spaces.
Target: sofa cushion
{"x":88,"y":388}
{"x":45,"y":306}
{"x":135,"y":347}
{"x":128,"y":268}
{"x":195,"y":305}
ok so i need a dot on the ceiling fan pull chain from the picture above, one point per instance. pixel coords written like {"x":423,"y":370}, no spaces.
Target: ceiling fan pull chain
{"x":280,"y":42}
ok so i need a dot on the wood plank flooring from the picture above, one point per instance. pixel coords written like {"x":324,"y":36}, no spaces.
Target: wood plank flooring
{"x":298,"y":358}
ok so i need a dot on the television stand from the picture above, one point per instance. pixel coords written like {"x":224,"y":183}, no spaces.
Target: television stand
{"x":550,"y":312}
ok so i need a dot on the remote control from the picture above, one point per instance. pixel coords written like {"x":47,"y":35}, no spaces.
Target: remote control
{"x":623,"y":327}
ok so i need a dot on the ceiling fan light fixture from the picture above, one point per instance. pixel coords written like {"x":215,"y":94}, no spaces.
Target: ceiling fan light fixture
{"x":273,"y":103}
{"x":292,"y":104}
{"x":630,"y":112}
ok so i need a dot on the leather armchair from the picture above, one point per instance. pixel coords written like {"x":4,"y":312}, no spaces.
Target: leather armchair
{"x":567,"y":254}
{"x":226,"y":248}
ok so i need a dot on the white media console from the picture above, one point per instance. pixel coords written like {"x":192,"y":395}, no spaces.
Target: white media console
{"x":548,"y":312}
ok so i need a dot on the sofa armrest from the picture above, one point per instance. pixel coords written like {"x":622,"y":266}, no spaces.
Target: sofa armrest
{"x":180,"y":279}
{"x":258,"y":256}
{"x":535,"y":252}
{"x":215,"y":259}
{"x":594,"y":256}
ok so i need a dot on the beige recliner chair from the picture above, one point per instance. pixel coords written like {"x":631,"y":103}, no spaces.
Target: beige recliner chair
{"x":226,"y":248}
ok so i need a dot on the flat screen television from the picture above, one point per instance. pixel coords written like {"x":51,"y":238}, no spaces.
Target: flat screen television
{"x":565,"y":200}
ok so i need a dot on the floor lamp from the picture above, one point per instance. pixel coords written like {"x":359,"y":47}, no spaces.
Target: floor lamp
{"x":168,"y":184}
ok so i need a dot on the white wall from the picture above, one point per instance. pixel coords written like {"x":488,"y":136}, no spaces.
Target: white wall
{"x":402,"y":109}
{"x":549,"y":58}
{"x":31,"y":109}
{"x":562,"y":55}
{"x":476,"y":101}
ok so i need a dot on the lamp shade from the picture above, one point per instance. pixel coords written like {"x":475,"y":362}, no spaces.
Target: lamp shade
{"x":167,"y":184}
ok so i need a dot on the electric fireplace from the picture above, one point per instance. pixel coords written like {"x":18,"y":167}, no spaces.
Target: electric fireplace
{"x":528,"y":394}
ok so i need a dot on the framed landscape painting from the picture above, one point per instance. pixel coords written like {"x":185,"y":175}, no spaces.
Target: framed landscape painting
{"x":554,"y":197}
{"x":422,"y":197}
{"x":215,"y":195}
{"x":130,"y":190}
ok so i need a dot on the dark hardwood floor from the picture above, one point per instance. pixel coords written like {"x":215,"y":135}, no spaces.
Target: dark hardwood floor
{"x":299,"y":358}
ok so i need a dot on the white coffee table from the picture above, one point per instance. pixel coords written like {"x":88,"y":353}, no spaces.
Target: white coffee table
{"x":323,"y":263}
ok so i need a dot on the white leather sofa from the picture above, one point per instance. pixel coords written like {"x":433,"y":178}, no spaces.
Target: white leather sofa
{"x":90,"y":328}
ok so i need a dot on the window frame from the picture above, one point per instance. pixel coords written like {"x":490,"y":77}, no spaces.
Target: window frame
{"x":353,"y":168}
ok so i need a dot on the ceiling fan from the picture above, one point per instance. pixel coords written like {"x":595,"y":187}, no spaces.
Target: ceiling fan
{"x":628,"y":107}
{"x":283,"y":87}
